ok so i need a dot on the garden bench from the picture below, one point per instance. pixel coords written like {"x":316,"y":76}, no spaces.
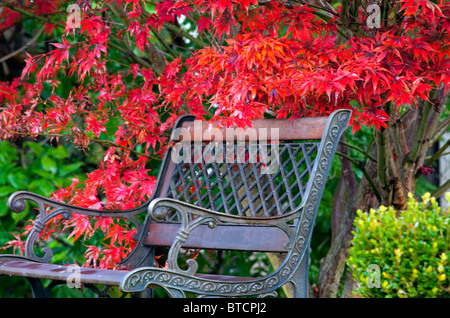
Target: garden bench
{"x":249,"y":203}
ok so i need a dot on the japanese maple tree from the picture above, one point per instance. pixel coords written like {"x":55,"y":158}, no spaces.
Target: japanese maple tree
{"x":137,"y":65}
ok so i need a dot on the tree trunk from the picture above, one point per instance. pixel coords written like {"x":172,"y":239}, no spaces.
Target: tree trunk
{"x":333,"y":266}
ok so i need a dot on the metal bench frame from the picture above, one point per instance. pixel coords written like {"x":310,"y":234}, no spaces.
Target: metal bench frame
{"x":175,"y":222}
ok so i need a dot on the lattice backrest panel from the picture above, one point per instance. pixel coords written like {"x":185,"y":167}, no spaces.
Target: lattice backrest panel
{"x":252,"y":179}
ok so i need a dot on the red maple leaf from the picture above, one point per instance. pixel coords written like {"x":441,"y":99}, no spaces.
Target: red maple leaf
{"x":60,"y":53}
{"x":223,"y":23}
{"x":95,"y":125}
{"x":81,"y":227}
{"x":91,"y":25}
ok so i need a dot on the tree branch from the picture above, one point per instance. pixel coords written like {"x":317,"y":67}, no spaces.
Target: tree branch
{"x":34,"y":39}
{"x":421,"y":132}
{"x":441,"y":190}
{"x":382,"y":141}
{"x":346,"y":168}
{"x":438,"y":154}
{"x":153,"y":54}
{"x":113,"y":45}
{"x":429,"y":116}
{"x":366,"y":174}
{"x":99,"y":141}
{"x":364,"y":152}
{"x":441,"y":128}
{"x":185,"y":34}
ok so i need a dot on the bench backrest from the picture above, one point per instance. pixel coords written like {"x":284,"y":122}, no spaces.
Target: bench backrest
{"x":230,"y":176}
{"x":261,"y":172}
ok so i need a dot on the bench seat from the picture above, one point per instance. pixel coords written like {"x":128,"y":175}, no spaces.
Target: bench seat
{"x":28,"y":268}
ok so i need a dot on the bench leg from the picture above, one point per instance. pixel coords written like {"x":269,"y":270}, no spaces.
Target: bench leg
{"x":147,"y":293}
{"x":300,"y":279}
{"x":37,"y":288}
{"x":175,"y":293}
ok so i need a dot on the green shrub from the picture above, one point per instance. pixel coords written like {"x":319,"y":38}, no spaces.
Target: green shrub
{"x":403,"y":255}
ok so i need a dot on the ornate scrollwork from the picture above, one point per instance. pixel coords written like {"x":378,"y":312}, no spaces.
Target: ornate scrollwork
{"x":17,"y":204}
{"x":49,"y":209}
{"x":38,"y":227}
{"x":159,"y":214}
{"x":139,"y":279}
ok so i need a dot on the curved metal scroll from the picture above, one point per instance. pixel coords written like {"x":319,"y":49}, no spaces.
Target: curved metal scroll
{"x":17,"y":203}
{"x":174,"y":279}
{"x":187,"y":225}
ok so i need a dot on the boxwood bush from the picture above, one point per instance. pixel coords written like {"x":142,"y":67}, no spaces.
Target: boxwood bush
{"x":402,"y":254}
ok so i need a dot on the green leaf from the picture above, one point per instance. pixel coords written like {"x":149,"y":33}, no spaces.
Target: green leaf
{"x":35,"y":147}
{"x":70,"y":168}
{"x":44,"y":174}
{"x":49,"y":164}
{"x":4,"y":209}
{"x":7,"y":152}
{"x":17,"y":217}
{"x":59,"y":152}
{"x":112,"y":125}
{"x":6,"y":191}
{"x":18,"y":180}
{"x":41,"y":186}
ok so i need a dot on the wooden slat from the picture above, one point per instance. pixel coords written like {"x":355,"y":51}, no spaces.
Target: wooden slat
{"x":27,"y":268}
{"x":296,"y":129}
{"x":222,"y":237}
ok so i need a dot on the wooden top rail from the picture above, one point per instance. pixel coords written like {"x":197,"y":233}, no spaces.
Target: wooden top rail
{"x":296,"y":129}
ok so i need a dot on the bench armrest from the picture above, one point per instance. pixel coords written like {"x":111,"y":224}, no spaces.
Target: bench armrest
{"x":191,"y":216}
{"x":157,"y":209}
{"x":49,"y":209}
